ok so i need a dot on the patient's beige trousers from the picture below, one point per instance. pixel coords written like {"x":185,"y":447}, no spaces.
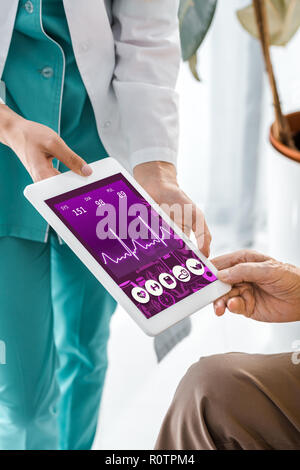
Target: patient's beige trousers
{"x":236,"y":401}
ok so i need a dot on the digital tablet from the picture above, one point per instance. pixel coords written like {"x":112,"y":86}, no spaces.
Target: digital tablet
{"x":130,"y":245}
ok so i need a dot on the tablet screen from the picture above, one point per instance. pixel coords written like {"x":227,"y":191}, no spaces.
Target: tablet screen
{"x":131,"y":241}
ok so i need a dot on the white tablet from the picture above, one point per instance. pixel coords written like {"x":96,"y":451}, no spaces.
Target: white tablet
{"x":130,"y":245}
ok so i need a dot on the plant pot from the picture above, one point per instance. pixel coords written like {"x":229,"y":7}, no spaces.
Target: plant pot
{"x":284,"y":198}
{"x":284,"y":219}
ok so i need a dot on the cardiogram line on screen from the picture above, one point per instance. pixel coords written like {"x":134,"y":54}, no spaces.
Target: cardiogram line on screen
{"x":133,"y":252}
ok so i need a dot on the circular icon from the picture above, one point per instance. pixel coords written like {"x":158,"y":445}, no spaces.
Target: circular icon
{"x":181,"y":273}
{"x":153,"y":287}
{"x":195,"y":266}
{"x":140,"y":295}
{"x":167,"y":280}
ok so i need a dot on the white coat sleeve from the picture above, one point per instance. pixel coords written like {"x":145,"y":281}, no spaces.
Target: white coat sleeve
{"x":146,"y":35}
{"x":2,"y":92}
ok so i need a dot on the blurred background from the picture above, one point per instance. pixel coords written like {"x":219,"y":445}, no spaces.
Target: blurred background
{"x":223,"y":165}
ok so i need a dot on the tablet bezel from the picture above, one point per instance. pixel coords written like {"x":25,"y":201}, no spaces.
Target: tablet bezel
{"x":38,"y":193}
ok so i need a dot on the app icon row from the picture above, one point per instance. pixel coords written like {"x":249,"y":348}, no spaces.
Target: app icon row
{"x":167,"y":280}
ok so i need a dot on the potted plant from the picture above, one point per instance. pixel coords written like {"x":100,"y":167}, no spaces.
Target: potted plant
{"x":273,"y":22}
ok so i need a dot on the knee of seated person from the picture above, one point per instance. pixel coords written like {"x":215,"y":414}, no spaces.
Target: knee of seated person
{"x":210,"y":381}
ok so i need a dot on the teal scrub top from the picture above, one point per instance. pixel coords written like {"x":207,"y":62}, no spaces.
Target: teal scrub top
{"x":43,"y":84}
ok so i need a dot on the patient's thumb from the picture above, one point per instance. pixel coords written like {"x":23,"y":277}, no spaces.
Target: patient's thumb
{"x":243,"y":272}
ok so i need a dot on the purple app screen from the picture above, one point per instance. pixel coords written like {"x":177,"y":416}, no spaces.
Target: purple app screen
{"x":130,"y":240}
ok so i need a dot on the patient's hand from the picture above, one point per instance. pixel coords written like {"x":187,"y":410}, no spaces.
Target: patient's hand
{"x":263,"y":289}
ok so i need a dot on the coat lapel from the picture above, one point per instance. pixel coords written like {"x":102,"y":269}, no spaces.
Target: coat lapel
{"x":8,"y":16}
{"x":89,"y":25}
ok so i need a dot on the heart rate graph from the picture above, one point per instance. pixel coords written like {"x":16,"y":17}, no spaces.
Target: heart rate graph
{"x":133,"y":252}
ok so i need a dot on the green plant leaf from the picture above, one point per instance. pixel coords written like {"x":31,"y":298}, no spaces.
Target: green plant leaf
{"x":195,"y":17}
{"x":193,"y":66}
{"x":283,"y":20}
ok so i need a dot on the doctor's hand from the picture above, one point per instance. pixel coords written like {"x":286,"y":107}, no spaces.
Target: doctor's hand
{"x":37,"y":145}
{"x":160,"y":181}
{"x":263,"y":289}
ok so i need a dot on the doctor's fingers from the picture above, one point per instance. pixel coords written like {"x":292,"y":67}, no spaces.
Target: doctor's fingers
{"x":59,"y":149}
{"x":42,"y":169}
{"x":201,"y":231}
{"x":188,"y":217}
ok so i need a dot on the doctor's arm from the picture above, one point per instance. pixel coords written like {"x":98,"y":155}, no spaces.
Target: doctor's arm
{"x":147,"y":45}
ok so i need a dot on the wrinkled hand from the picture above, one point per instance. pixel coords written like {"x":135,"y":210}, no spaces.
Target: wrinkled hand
{"x":160,"y":181}
{"x":263,"y":289}
{"x":37,"y":145}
